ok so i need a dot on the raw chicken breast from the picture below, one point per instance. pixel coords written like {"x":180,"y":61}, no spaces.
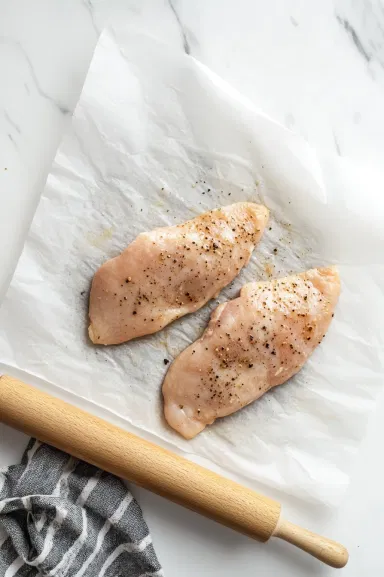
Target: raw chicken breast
{"x":172,"y":271}
{"x":253,"y":343}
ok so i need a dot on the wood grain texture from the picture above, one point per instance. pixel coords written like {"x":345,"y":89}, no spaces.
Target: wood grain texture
{"x":326,"y":550}
{"x":98,"y":442}
{"x":121,"y":453}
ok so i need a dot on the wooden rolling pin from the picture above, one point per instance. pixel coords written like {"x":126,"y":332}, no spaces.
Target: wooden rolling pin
{"x":98,"y":442}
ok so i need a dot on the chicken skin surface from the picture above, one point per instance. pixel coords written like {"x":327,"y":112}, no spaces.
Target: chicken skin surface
{"x":172,"y":271}
{"x":251,"y":344}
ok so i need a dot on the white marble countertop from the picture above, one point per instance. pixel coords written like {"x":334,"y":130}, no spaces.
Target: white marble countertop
{"x":318,"y":68}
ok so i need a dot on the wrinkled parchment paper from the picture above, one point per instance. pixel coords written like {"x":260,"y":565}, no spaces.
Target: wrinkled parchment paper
{"x":157,"y":139}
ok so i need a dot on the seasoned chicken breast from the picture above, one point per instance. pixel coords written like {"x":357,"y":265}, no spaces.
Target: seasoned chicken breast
{"x":252,"y":343}
{"x":172,"y":271}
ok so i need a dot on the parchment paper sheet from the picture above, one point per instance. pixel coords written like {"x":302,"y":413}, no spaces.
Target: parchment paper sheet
{"x":155,"y":140}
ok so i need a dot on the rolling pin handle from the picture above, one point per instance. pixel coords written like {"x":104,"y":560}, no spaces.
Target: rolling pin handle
{"x":329,"y":552}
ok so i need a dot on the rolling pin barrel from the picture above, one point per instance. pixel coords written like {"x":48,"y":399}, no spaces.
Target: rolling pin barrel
{"x":102,"y":444}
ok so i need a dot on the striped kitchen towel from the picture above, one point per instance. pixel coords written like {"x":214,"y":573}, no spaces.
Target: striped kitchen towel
{"x":61,"y":517}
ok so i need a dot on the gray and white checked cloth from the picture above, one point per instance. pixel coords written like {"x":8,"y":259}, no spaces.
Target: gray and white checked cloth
{"x":61,"y":517}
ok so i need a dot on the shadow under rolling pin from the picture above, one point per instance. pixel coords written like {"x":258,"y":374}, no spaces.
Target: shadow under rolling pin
{"x":102,"y":444}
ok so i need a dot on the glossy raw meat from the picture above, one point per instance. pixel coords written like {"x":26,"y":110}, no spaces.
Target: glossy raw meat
{"x":251,"y":344}
{"x":172,"y":271}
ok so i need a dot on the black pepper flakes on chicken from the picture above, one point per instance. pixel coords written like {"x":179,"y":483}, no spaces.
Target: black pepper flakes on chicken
{"x":172,"y":271}
{"x":251,"y":344}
